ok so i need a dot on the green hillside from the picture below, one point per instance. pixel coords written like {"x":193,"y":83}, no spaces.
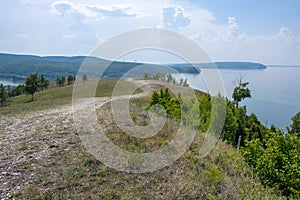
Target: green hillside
{"x":20,"y":66}
{"x":56,"y":165}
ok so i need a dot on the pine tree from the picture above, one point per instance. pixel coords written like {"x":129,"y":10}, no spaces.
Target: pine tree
{"x":44,"y":83}
{"x":3,"y":95}
{"x":70,"y":79}
{"x":84,"y":78}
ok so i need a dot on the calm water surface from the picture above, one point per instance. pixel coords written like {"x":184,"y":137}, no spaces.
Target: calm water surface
{"x":275,"y":91}
{"x":9,"y":82}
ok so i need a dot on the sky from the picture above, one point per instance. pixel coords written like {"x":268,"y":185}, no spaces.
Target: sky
{"x":266,"y":31}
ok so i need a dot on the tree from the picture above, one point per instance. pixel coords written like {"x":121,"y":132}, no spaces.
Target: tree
{"x":240,"y":92}
{"x":181,"y":81}
{"x":20,"y":89}
{"x":146,"y":76}
{"x":3,"y":95}
{"x":84,"y":77}
{"x":70,"y":79}
{"x":295,"y":126}
{"x":44,"y":83}
{"x":167,"y":101}
{"x":60,"y":81}
{"x":205,"y":112}
{"x":57,"y":81}
{"x":63,"y":80}
{"x":32,"y":84}
{"x":185,"y":83}
{"x":169,"y":78}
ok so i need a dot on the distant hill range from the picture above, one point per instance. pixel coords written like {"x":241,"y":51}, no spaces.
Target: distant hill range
{"x":223,"y":65}
{"x":19,"y":66}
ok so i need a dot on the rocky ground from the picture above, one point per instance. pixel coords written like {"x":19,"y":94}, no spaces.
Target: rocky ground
{"x":29,"y":140}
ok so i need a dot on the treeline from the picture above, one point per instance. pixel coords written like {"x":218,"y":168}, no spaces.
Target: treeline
{"x":273,"y":155}
{"x":33,"y":83}
{"x":63,"y":80}
{"x":168,"y":78}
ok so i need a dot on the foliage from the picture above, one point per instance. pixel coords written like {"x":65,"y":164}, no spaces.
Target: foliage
{"x":273,"y":155}
{"x":44,"y":83}
{"x":278,"y":163}
{"x":167,"y":101}
{"x":241,"y":92}
{"x":237,"y":122}
{"x":145,"y":76}
{"x":205,"y":112}
{"x":168,"y":78}
{"x":71,"y":79}
{"x":84,"y":77}
{"x":61,"y":81}
{"x":16,"y":91}
{"x":295,"y":126}
{"x":3,"y":95}
{"x":32,"y":84}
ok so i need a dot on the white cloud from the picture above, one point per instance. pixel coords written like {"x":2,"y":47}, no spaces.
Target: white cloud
{"x":233,"y":27}
{"x":232,"y":23}
{"x":65,"y":8}
{"x":173,"y":17}
{"x":114,"y":10}
{"x":96,"y":12}
{"x":285,"y":34}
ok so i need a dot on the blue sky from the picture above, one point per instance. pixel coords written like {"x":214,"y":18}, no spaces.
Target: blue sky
{"x":233,"y":30}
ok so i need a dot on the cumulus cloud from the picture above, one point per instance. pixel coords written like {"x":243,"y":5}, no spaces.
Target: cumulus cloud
{"x":173,"y":17}
{"x":232,"y":24}
{"x":285,"y":34}
{"x":92,"y":11}
{"x":65,"y":8}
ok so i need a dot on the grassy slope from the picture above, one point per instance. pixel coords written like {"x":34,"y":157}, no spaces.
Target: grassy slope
{"x":54,"y":97}
{"x":70,"y":172}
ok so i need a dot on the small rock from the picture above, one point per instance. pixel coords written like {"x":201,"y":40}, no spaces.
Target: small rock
{"x":17,"y":174}
{"x":4,"y":173}
{"x":2,"y":165}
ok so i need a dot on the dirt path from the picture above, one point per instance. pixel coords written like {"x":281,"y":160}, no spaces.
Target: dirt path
{"x":31,"y":138}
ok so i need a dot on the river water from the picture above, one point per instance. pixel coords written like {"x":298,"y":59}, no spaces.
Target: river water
{"x":275,"y":91}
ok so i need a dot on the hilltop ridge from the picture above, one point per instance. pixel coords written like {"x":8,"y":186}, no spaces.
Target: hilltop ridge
{"x":20,"y":66}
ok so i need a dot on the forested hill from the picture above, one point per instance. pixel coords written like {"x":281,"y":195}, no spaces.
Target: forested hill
{"x":20,"y":66}
{"x":223,"y":65}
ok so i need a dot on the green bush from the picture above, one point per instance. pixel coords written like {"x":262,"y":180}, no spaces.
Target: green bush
{"x":278,"y":164}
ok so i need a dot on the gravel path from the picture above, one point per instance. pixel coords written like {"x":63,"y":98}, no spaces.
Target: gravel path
{"x":31,"y":138}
